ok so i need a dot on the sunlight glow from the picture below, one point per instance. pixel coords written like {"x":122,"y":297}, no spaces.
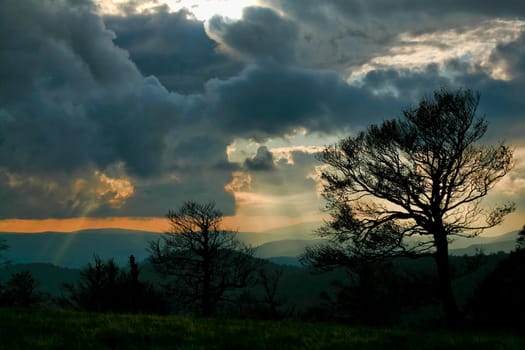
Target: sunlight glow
{"x":206,"y":9}
{"x":151,"y":224}
{"x":473,"y":46}
{"x":201,"y":9}
{"x":116,"y":190}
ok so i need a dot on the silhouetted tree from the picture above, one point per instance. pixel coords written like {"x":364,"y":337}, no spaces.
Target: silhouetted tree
{"x":204,"y":260}
{"x":104,"y":287}
{"x":133,"y":271}
{"x":141,"y":296}
{"x":21,"y":290}
{"x":406,"y":186}
{"x":95,"y":291}
{"x":269,"y":279}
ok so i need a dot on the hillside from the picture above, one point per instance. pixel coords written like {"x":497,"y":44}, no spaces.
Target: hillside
{"x":47,"y":329}
{"x":49,"y":277}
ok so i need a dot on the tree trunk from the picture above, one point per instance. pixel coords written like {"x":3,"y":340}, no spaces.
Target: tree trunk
{"x":444,"y":280}
{"x":207,"y":305}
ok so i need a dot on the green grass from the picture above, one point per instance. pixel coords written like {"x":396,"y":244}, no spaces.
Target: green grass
{"x":48,"y":329}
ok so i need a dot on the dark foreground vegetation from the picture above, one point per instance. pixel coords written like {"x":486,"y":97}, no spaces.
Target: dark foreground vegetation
{"x":46,"y":329}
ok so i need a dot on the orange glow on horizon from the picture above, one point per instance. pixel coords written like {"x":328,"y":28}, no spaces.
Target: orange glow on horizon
{"x":152,"y":224}
{"x":84,"y":223}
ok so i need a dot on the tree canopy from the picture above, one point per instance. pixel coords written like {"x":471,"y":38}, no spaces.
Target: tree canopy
{"x":406,"y":186}
{"x":204,"y":260}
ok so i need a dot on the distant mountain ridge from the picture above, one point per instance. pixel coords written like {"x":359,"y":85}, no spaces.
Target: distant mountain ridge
{"x":77,"y":249}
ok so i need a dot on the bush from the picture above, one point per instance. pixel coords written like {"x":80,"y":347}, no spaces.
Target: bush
{"x":497,"y":302}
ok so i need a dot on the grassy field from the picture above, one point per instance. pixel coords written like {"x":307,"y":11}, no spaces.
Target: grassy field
{"x":45,"y":329}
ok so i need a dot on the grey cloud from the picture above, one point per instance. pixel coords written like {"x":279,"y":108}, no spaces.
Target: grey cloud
{"x":174,"y":47}
{"x":73,"y":103}
{"x":26,"y":196}
{"x":340,"y":34}
{"x":44,"y":45}
{"x":274,"y":100}
{"x":501,"y":101}
{"x":287,"y":178}
{"x":511,"y":56}
{"x":417,"y":9}
{"x":261,"y":35}
{"x":262,"y":161}
{"x":201,"y":184}
{"x":290,"y":184}
{"x":70,"y":97}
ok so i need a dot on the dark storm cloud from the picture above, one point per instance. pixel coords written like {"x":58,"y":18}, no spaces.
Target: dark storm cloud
{"x":261,"y":35}
{"x":262,"y":161}
{"x":432,"y":10}
{"x":75,"y":99}
{"x":486,"y":7}
{"x":339,"y":34}
{"x":271,"y":101}
{"x":44,"y":45}
{"x":73,"y":103}
{"x":174,"y":47}
{"x":501,"y":101}
{"x":70,"y":96}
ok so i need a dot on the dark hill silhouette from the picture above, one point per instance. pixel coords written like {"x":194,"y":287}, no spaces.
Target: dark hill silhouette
{"x":285,"y":248}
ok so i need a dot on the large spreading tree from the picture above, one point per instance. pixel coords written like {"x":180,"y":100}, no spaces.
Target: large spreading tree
{"x":406,"y":187}
{"x":201,"y":260}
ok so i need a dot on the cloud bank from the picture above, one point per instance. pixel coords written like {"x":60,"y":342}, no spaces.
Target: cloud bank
{"x":131,"y":113}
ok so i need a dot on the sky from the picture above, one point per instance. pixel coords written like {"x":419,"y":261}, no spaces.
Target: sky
{"x":114,"y":112}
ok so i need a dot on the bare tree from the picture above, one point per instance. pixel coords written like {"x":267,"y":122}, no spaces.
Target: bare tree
{"x":269,"y":279}
{"x":407,"y":186}
{"x":205,"y":260}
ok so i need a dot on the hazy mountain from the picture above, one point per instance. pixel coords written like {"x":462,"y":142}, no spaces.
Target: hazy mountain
{"x":77,"y":249}
{"x":487,"y":248}
{"x":285,"y":248}
{"x":305,"y":231}
{"x":460,"y":243}
{"x":284,"y":244}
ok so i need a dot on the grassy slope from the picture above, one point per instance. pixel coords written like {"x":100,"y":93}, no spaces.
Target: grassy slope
{"x":45,"y":329}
